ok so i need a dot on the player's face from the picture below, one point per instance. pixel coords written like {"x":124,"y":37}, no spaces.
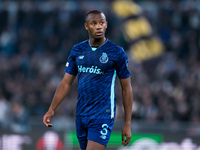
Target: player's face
{"x":96,"y":25}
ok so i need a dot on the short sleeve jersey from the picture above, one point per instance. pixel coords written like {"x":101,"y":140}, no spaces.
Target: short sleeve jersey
{"x":97,"y":70}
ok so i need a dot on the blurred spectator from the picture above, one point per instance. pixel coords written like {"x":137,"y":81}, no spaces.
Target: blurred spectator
{"x":4,"y":113}
{"x":19,"y":118}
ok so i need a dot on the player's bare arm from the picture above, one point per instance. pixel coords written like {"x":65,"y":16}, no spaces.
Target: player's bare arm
{"x":60,"y":94}
{"x":127,"y":102}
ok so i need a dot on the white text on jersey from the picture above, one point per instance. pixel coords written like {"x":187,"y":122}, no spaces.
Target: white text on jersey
{"x":93,"y":69}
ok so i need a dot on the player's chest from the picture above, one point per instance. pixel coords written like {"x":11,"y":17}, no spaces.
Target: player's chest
{"x":96,"y":59}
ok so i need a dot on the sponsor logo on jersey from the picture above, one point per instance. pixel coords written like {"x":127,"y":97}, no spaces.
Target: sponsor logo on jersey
{"x":104,"y":58}
{"x":81,"y":57}
{"x":93,"y":69}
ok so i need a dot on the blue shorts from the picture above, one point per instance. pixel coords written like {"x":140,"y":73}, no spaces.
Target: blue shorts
{"x":97,"y":130}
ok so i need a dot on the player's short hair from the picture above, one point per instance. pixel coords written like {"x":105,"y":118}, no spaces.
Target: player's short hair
{"x":94,"y":11}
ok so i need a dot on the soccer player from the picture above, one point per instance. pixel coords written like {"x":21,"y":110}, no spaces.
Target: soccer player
{"x":97,"y":61}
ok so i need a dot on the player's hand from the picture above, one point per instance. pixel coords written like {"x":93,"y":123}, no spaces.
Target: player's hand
{"x":126,"y":134}
{"x":47,"y":118}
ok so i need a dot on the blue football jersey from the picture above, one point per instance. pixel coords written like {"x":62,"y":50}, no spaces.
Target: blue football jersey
{"x":97,"y":69}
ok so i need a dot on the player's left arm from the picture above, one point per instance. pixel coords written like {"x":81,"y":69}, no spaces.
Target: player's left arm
{"x":127,"y":103}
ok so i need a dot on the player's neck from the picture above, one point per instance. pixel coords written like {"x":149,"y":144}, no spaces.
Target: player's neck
{"x":97,"y":42}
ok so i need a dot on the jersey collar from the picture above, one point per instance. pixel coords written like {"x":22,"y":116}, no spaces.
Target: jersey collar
{"x":94,"y":48}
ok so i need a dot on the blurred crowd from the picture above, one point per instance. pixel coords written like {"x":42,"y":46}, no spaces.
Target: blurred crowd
{"x":35,"y":44}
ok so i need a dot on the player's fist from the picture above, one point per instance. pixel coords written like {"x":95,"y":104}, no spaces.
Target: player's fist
{"x":47,"y":118}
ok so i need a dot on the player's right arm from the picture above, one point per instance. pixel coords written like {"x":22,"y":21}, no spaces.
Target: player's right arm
{"x":59,"y":95}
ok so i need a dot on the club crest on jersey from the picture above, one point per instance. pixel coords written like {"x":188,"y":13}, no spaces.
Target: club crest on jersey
{"x":104,"y":58}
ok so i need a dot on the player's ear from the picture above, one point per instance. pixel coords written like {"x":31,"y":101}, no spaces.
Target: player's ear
{"x":106,"y":24}
{"x":86,"y":26}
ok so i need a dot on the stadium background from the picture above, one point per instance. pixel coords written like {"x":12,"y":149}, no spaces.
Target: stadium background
{"x":162,"y":41}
